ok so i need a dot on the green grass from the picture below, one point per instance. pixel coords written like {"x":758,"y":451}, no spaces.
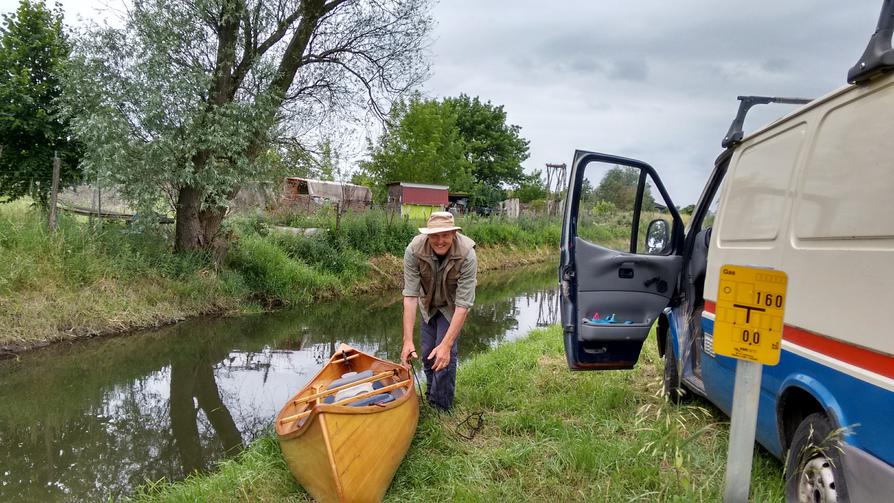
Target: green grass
{"x":338,"y":256}
{"x":84,"y":281}
{"x":549,"y":435}
{"x":377,"y":232}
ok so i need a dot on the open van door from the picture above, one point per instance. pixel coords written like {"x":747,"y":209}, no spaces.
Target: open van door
{"x":620,"y":259}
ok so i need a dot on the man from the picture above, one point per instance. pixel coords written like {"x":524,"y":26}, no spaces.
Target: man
{"x":440,"y":273}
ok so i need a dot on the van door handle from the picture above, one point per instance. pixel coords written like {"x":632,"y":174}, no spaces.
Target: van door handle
{"x":625,"y":272}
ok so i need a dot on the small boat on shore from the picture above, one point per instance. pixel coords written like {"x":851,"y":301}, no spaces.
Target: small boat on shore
{"x":346,"y":432}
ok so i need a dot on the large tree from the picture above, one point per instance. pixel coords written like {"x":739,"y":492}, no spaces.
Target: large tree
{"x":186,"y":98}
{"x":423,"y":145}
{"x":33,"y":49}
{"x":460,"y":142}
{"x":494,"y":148}
{"x":618,"y":187}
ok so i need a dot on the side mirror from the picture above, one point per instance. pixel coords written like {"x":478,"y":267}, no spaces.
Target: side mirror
{"x":657,"y":237}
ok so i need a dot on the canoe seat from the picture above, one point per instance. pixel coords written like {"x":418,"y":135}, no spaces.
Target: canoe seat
{"x":373,"y":400}
{"x":349,"y":378}
{"x":375,"y":385}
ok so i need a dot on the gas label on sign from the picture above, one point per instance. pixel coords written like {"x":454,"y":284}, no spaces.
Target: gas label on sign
{"x":750,"y":313}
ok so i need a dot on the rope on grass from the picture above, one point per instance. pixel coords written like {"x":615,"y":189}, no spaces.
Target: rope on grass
{"x":412,"y":356}
{"x":472,"y":423}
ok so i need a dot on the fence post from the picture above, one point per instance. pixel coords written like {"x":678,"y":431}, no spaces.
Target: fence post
{"x":92,"y":208}
{"x":338,"y":217}
{"x":54,"y":188}
{"x":98,"y":203}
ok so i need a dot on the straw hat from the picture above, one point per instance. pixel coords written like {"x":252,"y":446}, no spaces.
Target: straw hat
{"x":440,"y":221}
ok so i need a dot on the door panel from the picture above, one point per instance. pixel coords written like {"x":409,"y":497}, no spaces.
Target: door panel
{"x":618,"y":273}
{"x":631,"y":287}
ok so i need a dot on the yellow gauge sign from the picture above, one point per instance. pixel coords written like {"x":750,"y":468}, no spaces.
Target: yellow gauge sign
{"x":749,"y":316}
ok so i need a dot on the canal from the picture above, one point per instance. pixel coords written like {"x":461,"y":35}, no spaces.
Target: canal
{"x":95,"y":419}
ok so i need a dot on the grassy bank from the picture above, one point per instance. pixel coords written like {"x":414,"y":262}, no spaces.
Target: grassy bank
{"x":86,"y":281}
{"x":548,"y":435}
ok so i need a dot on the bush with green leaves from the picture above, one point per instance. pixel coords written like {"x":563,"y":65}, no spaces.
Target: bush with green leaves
{"x":274,"y":276}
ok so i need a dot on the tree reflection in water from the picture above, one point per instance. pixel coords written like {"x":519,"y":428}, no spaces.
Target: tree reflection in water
{"x":195,"y":380}
{"x":93,"y":420}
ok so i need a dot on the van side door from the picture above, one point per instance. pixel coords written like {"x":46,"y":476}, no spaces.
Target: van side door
{"x":620,"y":259}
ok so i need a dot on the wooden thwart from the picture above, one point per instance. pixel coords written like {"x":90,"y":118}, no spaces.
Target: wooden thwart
{"x":355,"y":355}
{"x":384,"y":389}
{"x":328,"y":392}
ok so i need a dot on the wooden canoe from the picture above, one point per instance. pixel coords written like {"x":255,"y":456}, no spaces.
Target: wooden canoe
{"x":346,"y":453}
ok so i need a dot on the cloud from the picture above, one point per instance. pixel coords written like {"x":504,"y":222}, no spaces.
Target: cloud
{"x":636,"y":70}
{"x":650,"y":79}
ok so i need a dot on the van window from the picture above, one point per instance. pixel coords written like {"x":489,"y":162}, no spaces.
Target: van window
{"x":848,"y":184}
{"x":607,"y":207}
{"x":758,"y":187}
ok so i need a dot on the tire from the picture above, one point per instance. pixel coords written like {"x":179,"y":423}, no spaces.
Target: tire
{"x":674,"y":389}
{"x":813,"y":468}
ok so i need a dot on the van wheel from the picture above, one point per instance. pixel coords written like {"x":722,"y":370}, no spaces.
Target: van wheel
{"x":813,"y":468}
{"x":673,"y":387}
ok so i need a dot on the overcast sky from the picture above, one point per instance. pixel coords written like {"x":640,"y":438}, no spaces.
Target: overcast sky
{"x":655,"y":80}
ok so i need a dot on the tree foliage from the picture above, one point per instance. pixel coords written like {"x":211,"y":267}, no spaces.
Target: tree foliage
{"x":460,"y":142}
{"x":424,"y":145}
{"x":184,"y":101}
{"x":618,"y":187}
{"x":294,"y":159}
{"x":531,"y":187}
{"x":494,"y":148}
{"x":33,"y":49}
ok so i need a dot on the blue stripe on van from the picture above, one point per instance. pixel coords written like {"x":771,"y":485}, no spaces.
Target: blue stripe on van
{"x":864,"y":407}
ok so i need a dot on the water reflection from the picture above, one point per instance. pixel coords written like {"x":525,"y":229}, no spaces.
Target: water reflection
{"x":92,"y":420}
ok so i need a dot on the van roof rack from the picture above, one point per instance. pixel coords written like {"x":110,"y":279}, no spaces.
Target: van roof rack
{"x":734,"y":135}
{"x":878,"y":56}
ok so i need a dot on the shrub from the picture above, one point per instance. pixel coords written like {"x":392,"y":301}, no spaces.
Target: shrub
{"x":272,"y":275}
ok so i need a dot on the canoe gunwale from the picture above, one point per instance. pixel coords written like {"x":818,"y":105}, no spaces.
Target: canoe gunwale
{"x":287,"y":431}
{"x":321,"y":409}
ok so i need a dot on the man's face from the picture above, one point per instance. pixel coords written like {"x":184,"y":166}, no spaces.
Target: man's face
{"x":441,"y":241}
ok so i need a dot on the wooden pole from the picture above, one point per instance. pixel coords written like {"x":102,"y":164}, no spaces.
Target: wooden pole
{"x":549,"y":183}
{"x":54,"y":188}
{"x":92,"y":208}
{"x":98,"y":203}
{"x":343,"y":360}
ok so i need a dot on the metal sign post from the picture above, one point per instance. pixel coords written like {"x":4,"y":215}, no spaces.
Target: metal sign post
{"x":748,"y":326}
{"x":743,"y":423}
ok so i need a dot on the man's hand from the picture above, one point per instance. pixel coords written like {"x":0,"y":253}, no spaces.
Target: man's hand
{"x":441,"y":357}
{"x":406,"y":353}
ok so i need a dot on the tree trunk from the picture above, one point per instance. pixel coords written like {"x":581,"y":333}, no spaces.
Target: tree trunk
{"x":198,"y":228}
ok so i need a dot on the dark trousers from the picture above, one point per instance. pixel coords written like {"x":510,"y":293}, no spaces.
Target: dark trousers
{"x":441,"y":385}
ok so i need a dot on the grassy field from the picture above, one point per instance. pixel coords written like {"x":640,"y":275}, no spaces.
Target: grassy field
{"x":81,"y":282}
{"x":549,"y":435}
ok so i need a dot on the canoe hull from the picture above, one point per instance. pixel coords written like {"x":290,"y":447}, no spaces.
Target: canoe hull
{"x":349,"y":454}
{"x":352,"y":457}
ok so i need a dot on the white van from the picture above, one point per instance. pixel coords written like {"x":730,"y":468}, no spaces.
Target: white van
{"x":811,"y":194}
